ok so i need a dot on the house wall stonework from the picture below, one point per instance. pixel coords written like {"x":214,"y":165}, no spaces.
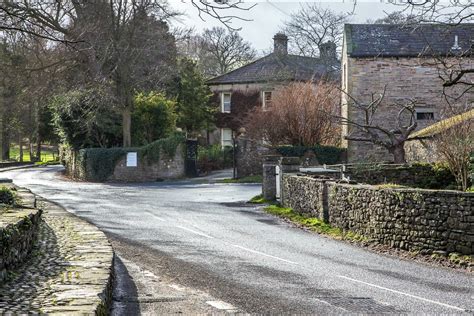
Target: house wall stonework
{"x":404,"y":79}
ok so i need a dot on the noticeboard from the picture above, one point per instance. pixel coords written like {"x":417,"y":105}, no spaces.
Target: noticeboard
{"x":131,"y":159}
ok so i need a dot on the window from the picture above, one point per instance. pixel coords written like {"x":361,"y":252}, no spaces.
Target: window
{"x":225,"y":103}
{"x":267,"y":99}
{"x":424,"y":116}
{"x":226,"y":137}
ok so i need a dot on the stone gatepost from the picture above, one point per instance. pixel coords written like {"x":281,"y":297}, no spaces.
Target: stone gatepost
{"x":286,"y":165}
{"x":269,"y":186}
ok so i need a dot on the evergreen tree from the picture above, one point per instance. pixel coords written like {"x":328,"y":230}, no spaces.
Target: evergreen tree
{"x":194,"y":110}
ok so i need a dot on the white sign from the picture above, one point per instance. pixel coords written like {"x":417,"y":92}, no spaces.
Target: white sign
{"x":132,"y":159}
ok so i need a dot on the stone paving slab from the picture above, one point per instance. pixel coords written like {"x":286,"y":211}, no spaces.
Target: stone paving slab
{"x":69,"y":270}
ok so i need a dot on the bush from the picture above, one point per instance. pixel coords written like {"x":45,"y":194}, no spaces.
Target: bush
{"x":329,"y":155}
{"x":214,"y":158}
{"x":6,"y":196}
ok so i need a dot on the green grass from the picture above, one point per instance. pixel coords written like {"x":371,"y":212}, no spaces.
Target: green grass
{"x":312,"y":223}
{"x":249,"y":179}
{"x":258,"y":199}
{"x":46,"y":155}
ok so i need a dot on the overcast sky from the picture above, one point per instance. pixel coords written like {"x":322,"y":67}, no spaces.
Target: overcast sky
{"x":268,"y":15}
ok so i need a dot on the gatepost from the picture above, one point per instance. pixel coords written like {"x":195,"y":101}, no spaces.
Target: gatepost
{"x":270,"y":162}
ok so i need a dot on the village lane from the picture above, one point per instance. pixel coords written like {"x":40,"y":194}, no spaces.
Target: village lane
{"x":203,"y":236}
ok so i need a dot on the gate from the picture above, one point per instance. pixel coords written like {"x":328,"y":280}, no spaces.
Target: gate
{"x":191,"y":158}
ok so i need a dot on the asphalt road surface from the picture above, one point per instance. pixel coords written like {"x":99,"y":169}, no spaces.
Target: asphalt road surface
{"x":203,"y":237}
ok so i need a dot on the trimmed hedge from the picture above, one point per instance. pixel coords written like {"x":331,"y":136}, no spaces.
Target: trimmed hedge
{"x":98,"y":164}
{"x":329,"y":155}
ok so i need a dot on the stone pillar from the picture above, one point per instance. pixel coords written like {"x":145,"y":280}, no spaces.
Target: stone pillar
{"x":287,"y":165}
{"x":269,"y":177}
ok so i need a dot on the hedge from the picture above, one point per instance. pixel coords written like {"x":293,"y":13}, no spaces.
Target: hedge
{"x":329,"y":155}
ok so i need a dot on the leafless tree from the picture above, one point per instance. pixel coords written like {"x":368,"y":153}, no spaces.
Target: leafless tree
{"x":397,"y":17}
{"x":455,"y":143}
{"x":368,"y":129}
{"x":300,"y":114}
{"x":222,"y":50}
{"x":113,"y":40}
{"x":312,"y":26}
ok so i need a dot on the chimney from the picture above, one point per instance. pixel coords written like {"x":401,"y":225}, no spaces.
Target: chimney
{"x":280,"y":44}
{"x":327,"y":52}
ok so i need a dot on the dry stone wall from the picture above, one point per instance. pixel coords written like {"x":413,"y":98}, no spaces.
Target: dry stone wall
{"x":413,"y":219}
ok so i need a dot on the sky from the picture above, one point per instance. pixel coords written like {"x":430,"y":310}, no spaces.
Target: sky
{"x":268,"y":16}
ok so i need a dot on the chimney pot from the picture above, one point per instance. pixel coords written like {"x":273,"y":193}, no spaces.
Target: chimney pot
{"x":280,"y":44}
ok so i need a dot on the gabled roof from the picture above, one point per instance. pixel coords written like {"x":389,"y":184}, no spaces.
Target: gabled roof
{"x":399,"y":40}
{"x":280,"y":67}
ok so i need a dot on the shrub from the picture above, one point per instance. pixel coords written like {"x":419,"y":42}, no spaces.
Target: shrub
{"x":324,"y":154}
{"x":214,"y":158}
{"x":6,"y":196}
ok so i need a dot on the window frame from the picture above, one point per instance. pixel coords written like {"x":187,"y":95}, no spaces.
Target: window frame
{"x":223,"y":102}
{"x":223,"y":141}
{"x":425,"y":111}
{"x":264,"y":101}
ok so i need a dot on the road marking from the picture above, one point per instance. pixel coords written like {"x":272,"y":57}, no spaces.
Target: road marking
{"x":221,"y":305}
{"x":403,"y":293}
{"x":194,"y":231}
{"x":264,"y":254}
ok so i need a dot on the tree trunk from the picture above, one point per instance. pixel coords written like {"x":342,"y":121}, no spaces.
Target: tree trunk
{"x":398,"y":154}
{"x":38,"y":149}
{"x":20,"y":144}
{"x":127,"y":127}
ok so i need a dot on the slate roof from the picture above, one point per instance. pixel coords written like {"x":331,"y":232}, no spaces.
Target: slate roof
{"x":280,"y":67}
{"x":397,"y":40}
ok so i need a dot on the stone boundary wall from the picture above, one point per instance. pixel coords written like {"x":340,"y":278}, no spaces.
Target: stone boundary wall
{"x":249,"y":156}
{"x":18,"y":233}
{"x":410,"y":219}
{"x":166,"y":168}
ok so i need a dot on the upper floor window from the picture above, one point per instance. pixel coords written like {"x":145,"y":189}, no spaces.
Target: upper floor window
{"x":267,"y":99}
{"x":225,"y":102}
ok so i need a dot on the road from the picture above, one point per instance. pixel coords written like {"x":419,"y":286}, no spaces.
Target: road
{"x":203,"y":237}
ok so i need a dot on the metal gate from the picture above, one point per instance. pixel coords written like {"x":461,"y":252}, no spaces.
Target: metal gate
{"x":191,"y":158}
{"x":278,"y":182}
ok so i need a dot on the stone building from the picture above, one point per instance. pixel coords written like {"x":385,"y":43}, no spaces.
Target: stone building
{"x":242,"y":89}
{"x":407,"y":60}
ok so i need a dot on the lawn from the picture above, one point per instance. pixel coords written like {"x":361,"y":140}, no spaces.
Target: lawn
{"x":46,"y":154}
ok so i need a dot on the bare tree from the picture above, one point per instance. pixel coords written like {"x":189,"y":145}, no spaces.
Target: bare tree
{"x":368,"y":130}
{"x":222,"y":50}
{"x":397,"y":17}
{"x":112,"y":40}
{"x":455,"y":143}
{"x":312,"y":26}
{"x":300,"y":114}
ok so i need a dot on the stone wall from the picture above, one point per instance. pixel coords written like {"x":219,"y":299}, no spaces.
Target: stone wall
{"x":411,"y":219}
{"x":404,"y":78}
{"x":249,"y":157}
{"x":165,"y":168}
{"x":421,"y":150}
{"x":18,"y":233}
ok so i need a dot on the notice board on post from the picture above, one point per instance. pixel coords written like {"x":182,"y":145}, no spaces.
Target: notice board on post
{"x":132,"y":159}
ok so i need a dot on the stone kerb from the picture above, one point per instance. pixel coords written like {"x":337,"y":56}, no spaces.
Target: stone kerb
{"x":69,"y":269}
{"x":411,"y":219}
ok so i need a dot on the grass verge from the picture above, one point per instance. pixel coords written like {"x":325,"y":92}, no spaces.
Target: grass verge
{"x":248,"y":179}
{"x":312,"y":223}
{"x":258,"y":199}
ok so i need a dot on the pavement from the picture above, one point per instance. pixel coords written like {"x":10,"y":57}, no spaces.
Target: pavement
{"x":208,"y":251}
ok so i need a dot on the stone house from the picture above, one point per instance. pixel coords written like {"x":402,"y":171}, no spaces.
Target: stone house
{"x":406,"y":60}
{"x":238,"y":91}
